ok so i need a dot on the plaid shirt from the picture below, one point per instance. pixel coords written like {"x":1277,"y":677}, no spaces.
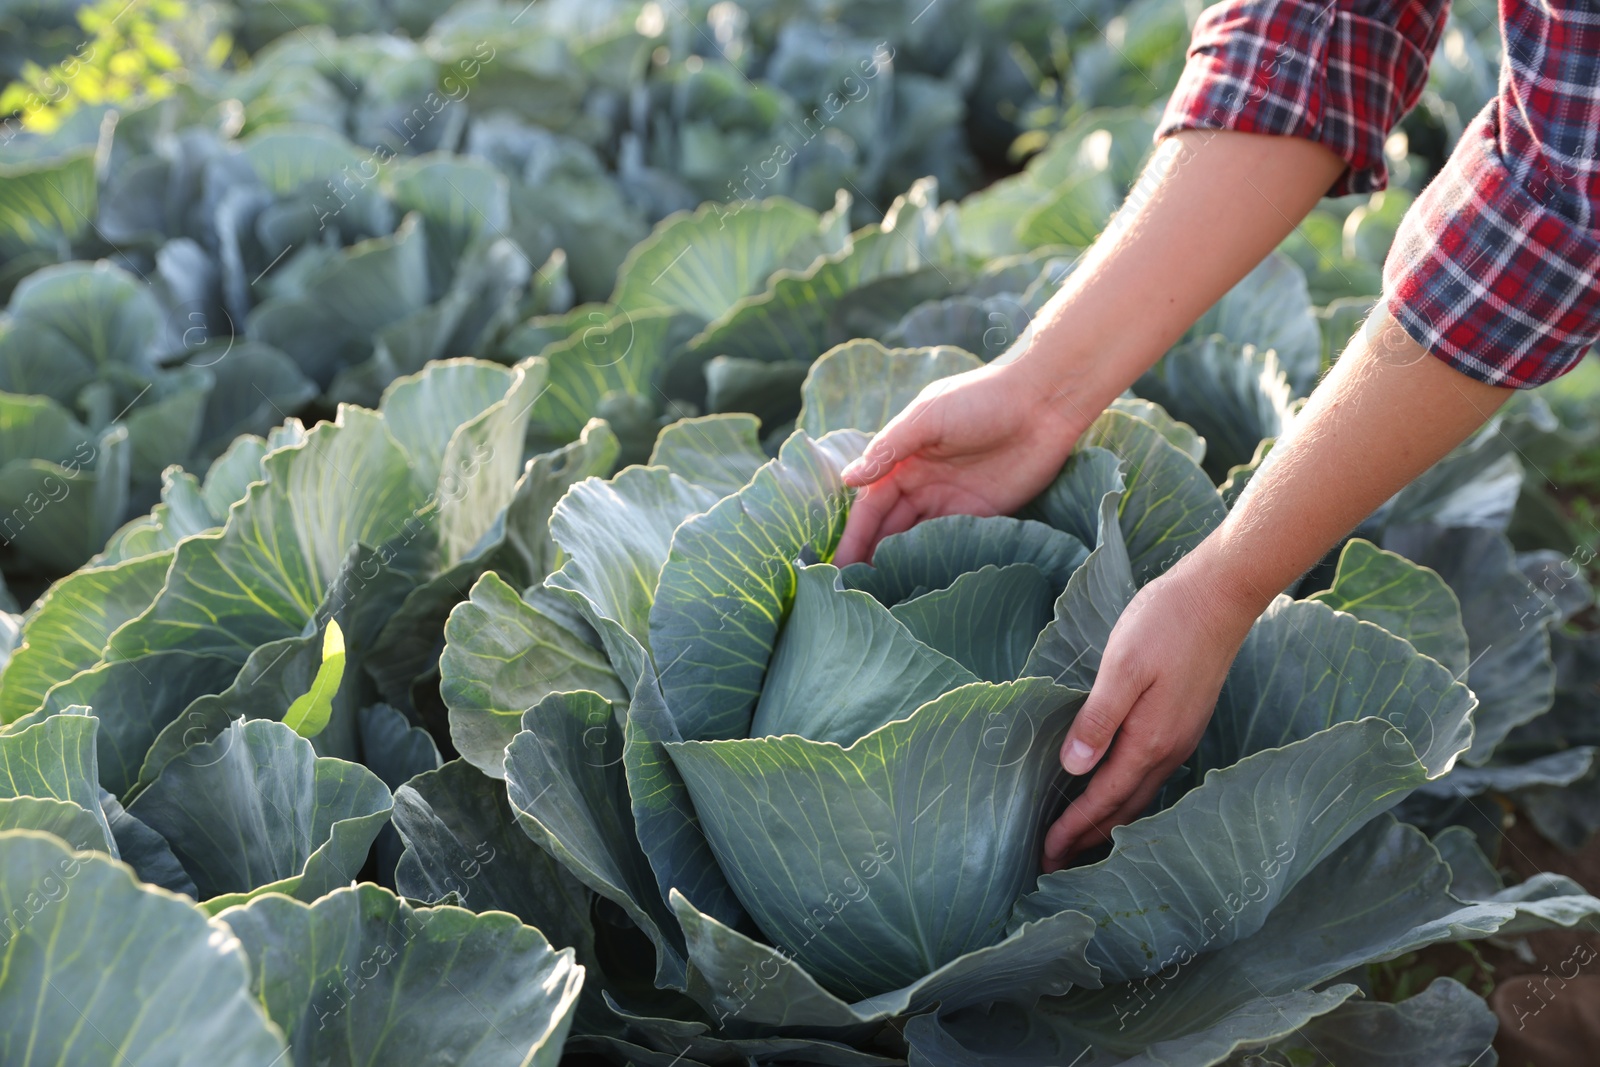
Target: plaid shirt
{"x":1496,"y":267}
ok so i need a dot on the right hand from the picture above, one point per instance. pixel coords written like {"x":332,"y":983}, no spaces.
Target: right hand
{"x":980,"y":443}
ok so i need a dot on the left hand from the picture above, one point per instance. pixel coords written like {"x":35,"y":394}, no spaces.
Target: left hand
{"x":1154,"y":693}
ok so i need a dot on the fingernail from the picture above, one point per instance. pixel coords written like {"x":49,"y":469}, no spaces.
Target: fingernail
{"x":1079,"y":758}
{"x":851,"y":469}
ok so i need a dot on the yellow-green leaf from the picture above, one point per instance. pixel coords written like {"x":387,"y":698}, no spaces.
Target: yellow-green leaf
{"x":309,"y":714}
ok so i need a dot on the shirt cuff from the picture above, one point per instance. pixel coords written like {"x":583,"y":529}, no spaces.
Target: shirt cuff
{"x":1489,"y":279}
{"x":1302,"y":69}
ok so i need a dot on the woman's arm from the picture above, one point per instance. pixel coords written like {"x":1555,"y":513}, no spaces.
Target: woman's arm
{"x":1209,"y":206}
{"x":1386,"y":413}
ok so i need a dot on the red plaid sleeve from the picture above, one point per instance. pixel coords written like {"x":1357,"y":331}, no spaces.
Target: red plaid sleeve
{"x":1338,"y":72}
{"x":1496,"y":268}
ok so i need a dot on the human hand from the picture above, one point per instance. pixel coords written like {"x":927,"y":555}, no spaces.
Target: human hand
{"x":1157,"y":686}
{"x":980,"y":443}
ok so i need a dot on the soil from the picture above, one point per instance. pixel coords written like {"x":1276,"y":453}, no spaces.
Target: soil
{"x":1545,"y":987}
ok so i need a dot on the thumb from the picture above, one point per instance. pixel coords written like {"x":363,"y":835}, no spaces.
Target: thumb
{"x":1097,"y":722}
{"x":907,"y":434}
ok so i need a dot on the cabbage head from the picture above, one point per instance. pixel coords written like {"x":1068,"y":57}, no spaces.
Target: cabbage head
{"x":819,"y":792}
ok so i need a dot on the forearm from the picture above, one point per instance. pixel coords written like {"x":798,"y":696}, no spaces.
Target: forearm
{"x":1386,"y":412}
{"x":1208,"y":208}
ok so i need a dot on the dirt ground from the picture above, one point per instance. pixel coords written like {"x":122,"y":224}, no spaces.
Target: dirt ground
{"x":1545,"y":987}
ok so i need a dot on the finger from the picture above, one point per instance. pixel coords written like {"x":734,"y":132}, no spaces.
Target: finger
{"x":1130,"y":810}
{"x":907,"y":434}
{"x":1111,"y":698}
{"x":866,"y":517}
{"x":901,"y":518}
{"x":1108,"y":790}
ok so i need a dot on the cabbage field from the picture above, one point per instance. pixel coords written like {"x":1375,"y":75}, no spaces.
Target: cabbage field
{"x":421,"y":428}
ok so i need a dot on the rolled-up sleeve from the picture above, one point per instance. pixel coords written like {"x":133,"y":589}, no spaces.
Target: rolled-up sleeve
{"x":1496,"y":267}
{"x":1341,"y":74}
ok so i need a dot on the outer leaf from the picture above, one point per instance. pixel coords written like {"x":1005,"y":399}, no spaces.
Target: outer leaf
{"x":482,"y":463}
{"x":1073,"y":501}
{"x":983,"y":325}
{"x":529,"y":552}
{"x":1069,"y":649}
{"x":392,"y":748}
{"x":345,"y":300}
{"x":861,"y":385}
{"x":264,"y":575}
{"x":461,"y":837}
{"x":1384,"y":893}
{"x":613,"y":579}
{"x":1235,"y":395}
{"x":844,"y":666}
{"x":738,"y":978}
{"x":164,"y":425}
{"x":502,"y":657}
{"x":987,"y":620}
{"x":730,"y":577}
{"x":71,"y":323}
{"x":460,"y":199}
{"x":55,"y":759}
{"x":1005,"y":1035}
{"x":76,"y":827}
{"x":146,"y":851}
{"x":1553,"y":769}
{"x":255,"y":385}
{"x":793,"y":318}
{"x":425,"y":411}
{"x":627,"y":355}
{"x":1304,"y":667}
{"x":1169,"y":504}
{"x":46,"y":205}
{"x":873,"y":309}
{"x":1210,"y":869}
{"x":134,"y":701}
{"x":1445,"y":1025}
{"x":256,"y":811}
{"x":565,"y":779}
{"x":183,"y":512}
{"x":767,"y":389}
{"x":103,"y":972}
{"x":517,"y":545}
{"x":287,"y":157}
{"x":716,"y":452}
{"x":1557,"y":581}
{"x":847,"y":858}
{"x":1404,"y":598}
{"x":56,"y":516}
{"x":362,"y":974}
{"x":1506,"y":620}
{"x":10,"y":634}
{"x":271,"y":679}
{"x":1271,"y":308}
{"x":705,"y":261}
{"x":668,"y":826}
{"x":996,"y":1035}
{"x":68,"y":627}
{"x":38,"y":427}
{"x":671,"y":1042}
{"x":226,"y":480}
{"x":1181,"y":434}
